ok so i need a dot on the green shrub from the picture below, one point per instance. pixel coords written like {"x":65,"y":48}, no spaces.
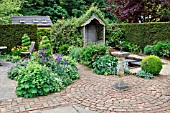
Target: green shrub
{"x":46,"y":45}
{"x":25,"y":40}
{"x":65,"y":69}
{"x":161,"y":49}
{"x":65,"y":32}
{"x":145,"y":33}
{"x":91,"y":53}
{"x":11,"y":35}
{"x":144,"y":74}
{"x":70,"y":60}
{"x":35,"y":80}
{"x":64,"y":49}
{"x":15,"y":59}
{"x":114,"y":36}
{"x":148,"y":49}
{"x":75,"y":52}
{"x":47,"y":76}
{"x":69,"y":32}
{"x":129,"y":47}
{"x":151,"y":64}
{"x":16,"y":70}
{"x":106,"y":65}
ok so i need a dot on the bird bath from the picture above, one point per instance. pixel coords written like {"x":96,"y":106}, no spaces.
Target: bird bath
{"x":120,"y":85}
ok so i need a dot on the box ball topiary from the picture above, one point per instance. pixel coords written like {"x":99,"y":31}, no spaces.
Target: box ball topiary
{"x":151,"y":64}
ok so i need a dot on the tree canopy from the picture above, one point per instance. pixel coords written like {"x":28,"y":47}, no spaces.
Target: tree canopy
{"x":8,"y":8}
{"x":139,"y":10}
{"x":43,"y":8}
{"x":58,"y":9}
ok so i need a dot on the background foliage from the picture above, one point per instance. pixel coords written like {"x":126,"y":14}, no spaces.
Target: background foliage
{"x":9,"y":8}
{"x":58,"y":9}
{"x":144,"y":10}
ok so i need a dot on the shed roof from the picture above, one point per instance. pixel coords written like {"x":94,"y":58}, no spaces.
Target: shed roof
{"x":41,"y":21}
{"x":94,"y":16}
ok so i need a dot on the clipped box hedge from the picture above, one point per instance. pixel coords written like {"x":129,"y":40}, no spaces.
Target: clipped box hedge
{"x":10,"y":35}
{"x":144,"y":34}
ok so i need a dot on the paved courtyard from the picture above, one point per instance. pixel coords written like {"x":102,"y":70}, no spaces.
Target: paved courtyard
{"x":94,"y":92}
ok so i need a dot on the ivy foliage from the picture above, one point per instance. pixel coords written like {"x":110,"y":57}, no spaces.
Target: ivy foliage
{"x":89,"y":13}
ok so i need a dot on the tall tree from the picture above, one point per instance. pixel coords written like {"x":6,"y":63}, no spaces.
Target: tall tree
{"x":79,"y":7}
{"x":57,"y":9}
{"x":139,"y":10}
{"x":43,"y":8}
{"x":8,"y":8}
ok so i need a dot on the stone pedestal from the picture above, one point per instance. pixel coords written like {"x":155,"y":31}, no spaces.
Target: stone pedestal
{"x":120,"y":85}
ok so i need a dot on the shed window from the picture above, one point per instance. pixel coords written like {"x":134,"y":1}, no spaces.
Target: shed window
{"x":22,"y":21}
{"x":35,"y":21}
{"x":44,"y":21}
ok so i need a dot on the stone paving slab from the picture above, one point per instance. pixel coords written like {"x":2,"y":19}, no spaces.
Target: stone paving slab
{"x":94,"y":92}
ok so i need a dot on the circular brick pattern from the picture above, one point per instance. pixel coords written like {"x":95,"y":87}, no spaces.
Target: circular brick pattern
{"x":95,"y":92}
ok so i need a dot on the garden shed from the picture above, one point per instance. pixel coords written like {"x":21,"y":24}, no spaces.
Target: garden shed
{"x":40,"y":21}
{"x":93,"y":30}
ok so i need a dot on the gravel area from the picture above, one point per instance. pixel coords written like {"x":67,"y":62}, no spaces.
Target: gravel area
{"x":7,"y":86}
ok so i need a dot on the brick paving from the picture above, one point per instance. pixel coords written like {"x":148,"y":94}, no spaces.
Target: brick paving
{"x":94,"y":92}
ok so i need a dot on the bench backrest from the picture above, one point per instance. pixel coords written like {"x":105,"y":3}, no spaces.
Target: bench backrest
{"x":31,"y":47}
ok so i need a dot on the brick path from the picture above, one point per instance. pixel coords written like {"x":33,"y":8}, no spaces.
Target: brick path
{"x":94,"y":92}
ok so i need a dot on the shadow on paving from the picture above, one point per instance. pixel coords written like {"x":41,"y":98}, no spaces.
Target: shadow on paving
{"x":7,"y":86}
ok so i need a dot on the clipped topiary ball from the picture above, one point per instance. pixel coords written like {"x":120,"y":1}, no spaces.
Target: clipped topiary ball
{"x":151,"y":64}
